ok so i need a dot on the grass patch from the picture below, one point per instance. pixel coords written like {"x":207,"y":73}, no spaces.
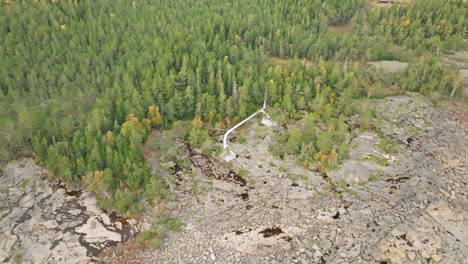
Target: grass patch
{"x":412,"y":131}
{"x":170,"y":223}
{"x":320,"y":194}
{"x":242,"y":138}
{"x":17,"y":255}
{"x":153,"y":237}
{"x":375,"y":159}
{"x":24,"y":183}
{"x":341,"y":183}
{"x":198,"y":191}
{"x":242,"y":172}
{"x":388,"y":146}
{"x":295,"y":178}
{"x":373,"y":177}
{"x":351,"y":191}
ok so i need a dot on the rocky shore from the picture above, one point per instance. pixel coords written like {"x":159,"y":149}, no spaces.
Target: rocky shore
{"x":42,"y":222}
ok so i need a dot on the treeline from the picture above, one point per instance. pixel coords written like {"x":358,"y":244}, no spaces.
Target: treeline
{"x":58,"y":58}
{"x":400,"y":32}
{"x":82,"y":82}
{"x":422,"y":25}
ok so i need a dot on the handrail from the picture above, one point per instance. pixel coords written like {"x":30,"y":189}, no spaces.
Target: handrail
{"x":225,"y":145}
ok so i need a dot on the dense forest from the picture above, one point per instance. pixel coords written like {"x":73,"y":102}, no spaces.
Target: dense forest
{"x":84,"y":82}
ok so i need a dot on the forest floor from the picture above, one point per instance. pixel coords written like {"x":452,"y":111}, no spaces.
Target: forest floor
{"x":410,"y":207}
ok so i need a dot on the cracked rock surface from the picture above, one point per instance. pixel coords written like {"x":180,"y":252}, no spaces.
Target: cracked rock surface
{"x":412,"y":208}
{"x":44,"y":223}
{"x":408,"y":206}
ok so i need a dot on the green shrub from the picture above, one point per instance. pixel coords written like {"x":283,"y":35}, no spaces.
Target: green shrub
{"x":198,"y":137}
{"x":388,"y":146}
{"x":170,"y":223}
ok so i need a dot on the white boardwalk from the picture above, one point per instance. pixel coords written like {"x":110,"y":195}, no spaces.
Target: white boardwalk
{"x":229,"y":155}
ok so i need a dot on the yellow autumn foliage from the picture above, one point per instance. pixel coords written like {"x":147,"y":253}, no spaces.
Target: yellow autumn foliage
{"x":238,"y":40}
{"x":146,"y":124}
{"x":133,"y":123}
{"x":110,"y":138}
{"x":197,"y":122}
{"x":154,"y":115}
{"x":325,"y":159}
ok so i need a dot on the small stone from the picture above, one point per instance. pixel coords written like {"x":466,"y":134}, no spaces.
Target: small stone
{"x":436,"y":257}
{"x":28,"y":201}
{"x":75,"y":211}
{"x":50,"y":224}
{"x":317,"y":254}
{"x":444,"y":192}
{"x":212,"y":256}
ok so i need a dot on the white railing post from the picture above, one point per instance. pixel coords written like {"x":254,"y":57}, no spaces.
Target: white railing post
{"x":231,"y":155}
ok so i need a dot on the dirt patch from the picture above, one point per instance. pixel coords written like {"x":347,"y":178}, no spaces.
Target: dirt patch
{"x":261,"y":240}
{"x":377,"y":4}
{"x":390,"y":66}
{"x":268,"y":232}
{"x":340,"y":29}
{"x":211,"y":168}
{"x":462,"y":113}
{"x":122,"y":253}
{"x":280,"y":61}
{"x":244,"y":196}
{"x":398,"y":180}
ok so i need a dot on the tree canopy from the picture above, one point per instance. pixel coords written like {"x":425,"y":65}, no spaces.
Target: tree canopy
{"x":83,"y":82}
